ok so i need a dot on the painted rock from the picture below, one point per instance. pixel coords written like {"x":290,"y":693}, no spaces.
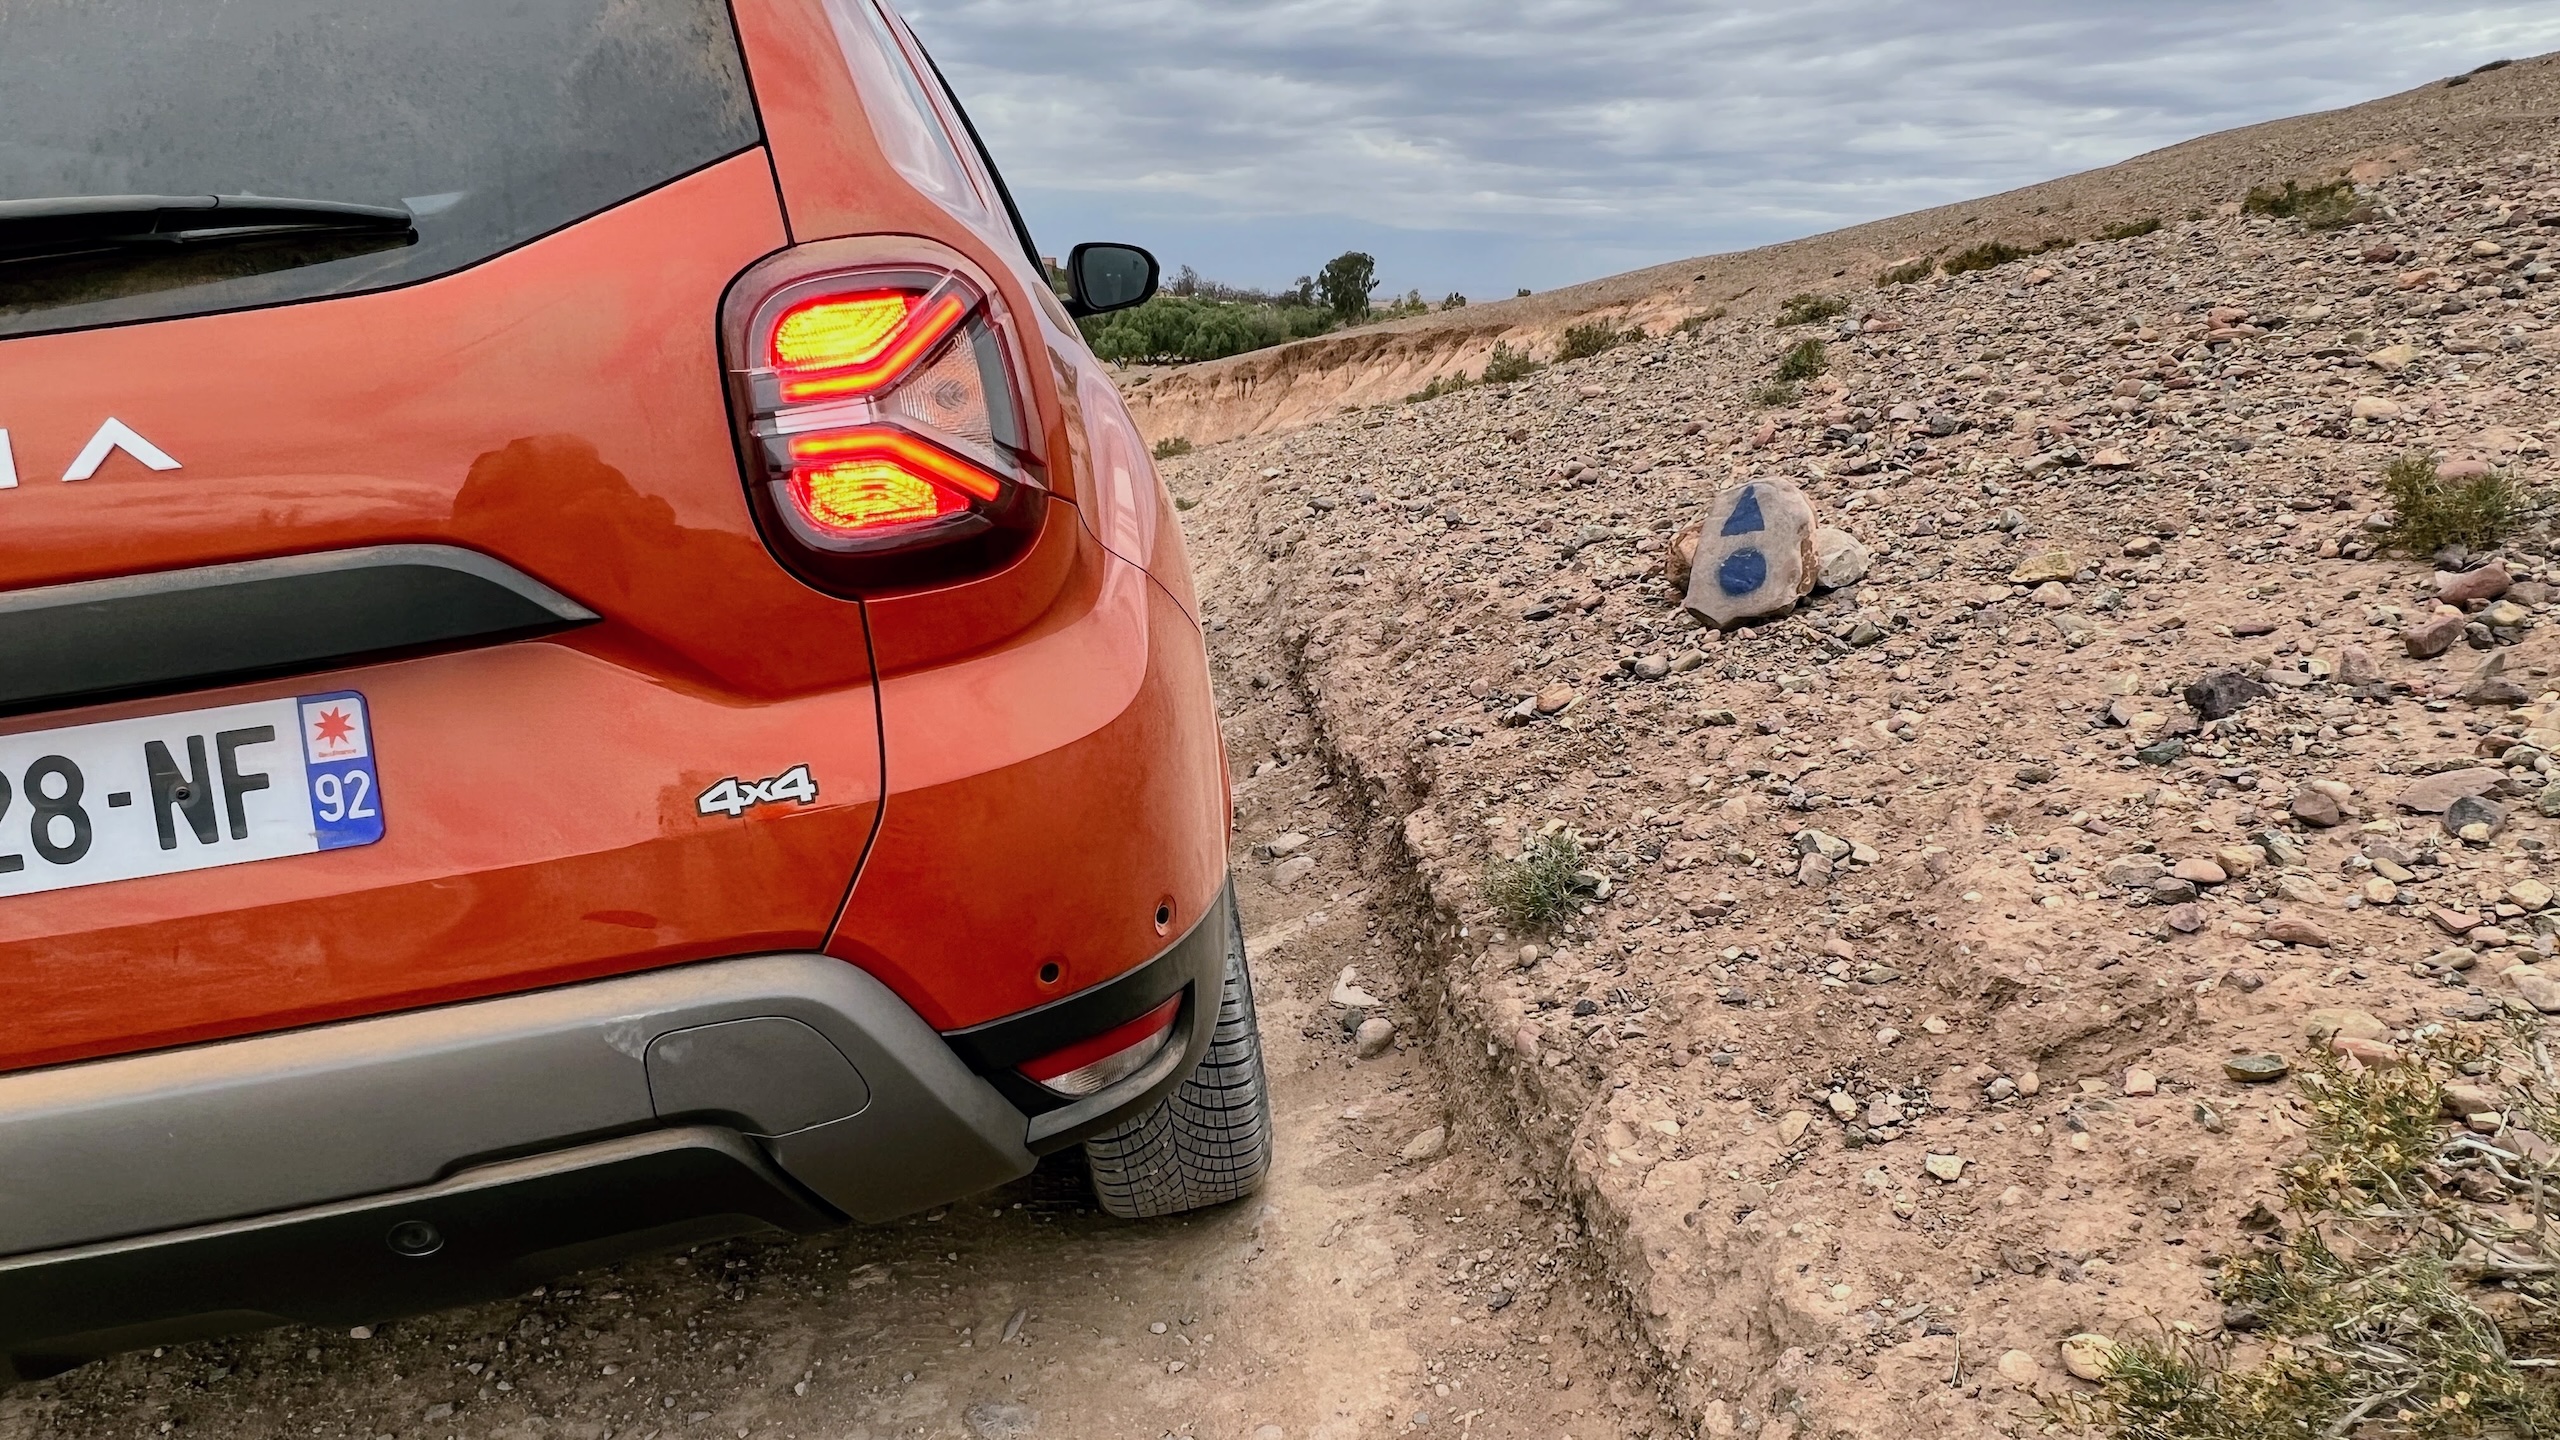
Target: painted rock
{"x":1755,"y":555}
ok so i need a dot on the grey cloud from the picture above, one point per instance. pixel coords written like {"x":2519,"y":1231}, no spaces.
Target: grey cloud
{"x":1548,"y":131}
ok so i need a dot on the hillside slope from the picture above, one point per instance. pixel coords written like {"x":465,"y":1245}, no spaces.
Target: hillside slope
{"x":1886,"y":1047}
{"x":2489,"y":115}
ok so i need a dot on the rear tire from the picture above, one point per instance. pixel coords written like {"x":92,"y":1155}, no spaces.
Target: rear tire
{"x":1210,"y":1140}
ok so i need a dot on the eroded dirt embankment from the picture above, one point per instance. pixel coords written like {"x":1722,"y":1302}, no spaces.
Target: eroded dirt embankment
{"x":2488,"y":116}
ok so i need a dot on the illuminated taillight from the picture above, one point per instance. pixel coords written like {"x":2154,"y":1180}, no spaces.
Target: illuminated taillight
{"x":1107,"y":1058}
{"x":885,"y":428}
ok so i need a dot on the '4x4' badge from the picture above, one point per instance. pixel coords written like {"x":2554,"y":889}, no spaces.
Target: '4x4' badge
{"x":734,"y":797}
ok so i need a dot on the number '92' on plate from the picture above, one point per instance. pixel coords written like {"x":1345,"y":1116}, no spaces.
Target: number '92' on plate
{"x":188,"y":791}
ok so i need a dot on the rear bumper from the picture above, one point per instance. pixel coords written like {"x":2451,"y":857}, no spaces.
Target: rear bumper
{"x":408,"y":1162}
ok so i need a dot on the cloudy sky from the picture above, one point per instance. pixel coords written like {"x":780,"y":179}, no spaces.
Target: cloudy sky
{"x":1483,"y":145}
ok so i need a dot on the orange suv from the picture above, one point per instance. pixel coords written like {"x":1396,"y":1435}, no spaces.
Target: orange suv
{"x":587,"y":661}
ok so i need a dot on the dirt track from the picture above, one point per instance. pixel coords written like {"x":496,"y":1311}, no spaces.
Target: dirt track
{"x":1359,"y":1295}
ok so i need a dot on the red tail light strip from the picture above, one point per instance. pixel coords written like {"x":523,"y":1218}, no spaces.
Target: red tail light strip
{"x":896,"y":449}
{"x":809,"y":376}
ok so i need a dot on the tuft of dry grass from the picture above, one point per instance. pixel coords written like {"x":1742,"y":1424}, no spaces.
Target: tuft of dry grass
{"x":2131,"y":229}
{"x":1171,"y":446}
{"x":1909,"y":272}
{"x":1535,"y":889}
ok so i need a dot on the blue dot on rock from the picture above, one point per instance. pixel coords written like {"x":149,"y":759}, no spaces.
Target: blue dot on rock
{"x":1742,"y":572}
{"x":1746,"y":518}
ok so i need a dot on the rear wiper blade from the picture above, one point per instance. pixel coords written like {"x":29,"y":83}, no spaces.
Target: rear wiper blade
{"x":79,"y":224}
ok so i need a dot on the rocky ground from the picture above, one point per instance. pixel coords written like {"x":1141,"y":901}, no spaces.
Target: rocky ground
{"x":1402,"y":1273}
{"x":1888,"y":1047}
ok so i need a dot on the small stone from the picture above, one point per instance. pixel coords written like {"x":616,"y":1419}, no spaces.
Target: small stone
{"x":1554,"y":698}
{"x":1281,"y":847}
{"x":2186,"y":919}
{"x":2238,"y":860}
{"x":2392,"y":359}
{"x":2162,"y":752}
{"x":2468,"y":812}
{"x":1839,"y":560}
{"x":2138,"y":1081}
{"x":2255,"y":1069}
{"x":2223,"y":694}
{"x":2050,"y":565}
{"x":2111,"y":458}
{"x":2358,"y":667}
{"x":2529,"y":894}
{"x":1289,"y":872}
{"x":2431,"y":637}
{"x":2133,"y":872}
{"x":1426,"y":1146}
{"x":2322,"y":1026}
{"x":2294,"y":930}
{"x":2461,"y":1098}
{"x":2373,"y":407}
{"x":1948,"y":1168}
{"x":2539,"y":987}
{"x":2020,"y":1369}
{"x":2431,"y":794}
{"x":2471,"y":587}
{"x":1792,"y":1126}
{"x":2089,"y":1356}
{"x":1375,"y":1037}
{"x":1842,"y":1106}
{"x":2198,"y":870}
{"x":2316,"y":808}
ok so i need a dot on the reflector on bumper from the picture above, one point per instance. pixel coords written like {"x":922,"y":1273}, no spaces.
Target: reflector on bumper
{"x":1117,"y":1053}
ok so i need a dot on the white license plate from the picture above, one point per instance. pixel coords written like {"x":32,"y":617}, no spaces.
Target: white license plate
{"x":189,"y":791}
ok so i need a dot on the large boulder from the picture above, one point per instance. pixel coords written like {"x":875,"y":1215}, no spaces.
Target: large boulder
{"x":1756,"y":554}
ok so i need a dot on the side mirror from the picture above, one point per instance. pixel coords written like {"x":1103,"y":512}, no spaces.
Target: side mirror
{"x":1103,"y":278}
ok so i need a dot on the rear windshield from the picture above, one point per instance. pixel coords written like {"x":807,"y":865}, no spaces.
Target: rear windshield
{"x":490,"y":121}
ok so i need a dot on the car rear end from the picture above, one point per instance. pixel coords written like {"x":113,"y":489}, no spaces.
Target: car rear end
{"x":608,"y":675}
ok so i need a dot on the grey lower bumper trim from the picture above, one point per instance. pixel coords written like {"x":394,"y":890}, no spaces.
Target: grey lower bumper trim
{"x":882,"y":1117}
{"x":485,"y":1233}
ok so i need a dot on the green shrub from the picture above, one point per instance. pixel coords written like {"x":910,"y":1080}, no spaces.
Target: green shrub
{"x":1771,"y":394}
{"x":1439,"y":386}
{"x":1506,"y":365}
{"x":2327,"y":205}
{"x":1536,"y":889}
{"x":1589,"y":338}
{"x":2430,"y":512}
{"x":1171,"y":446}
{"x":1455,"y":301}
{"x":2131,"y":229}
{"x":1175,"y":329}
{"x":1909,"y":272}
{"x":1803,"y":361}
{"x":1805,"y":308}
{"x":1992,"y":253}
{"x":1984,"y":256}
{"x":1698,"y":321}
